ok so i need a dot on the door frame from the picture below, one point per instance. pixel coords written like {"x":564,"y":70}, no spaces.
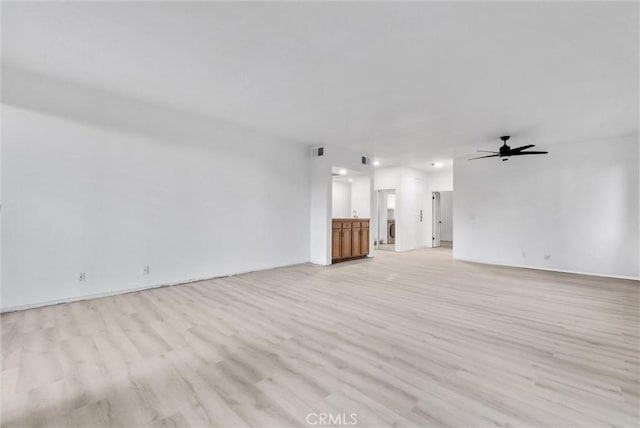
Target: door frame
{"x":376,"y":239}
{"x":436,"y":216}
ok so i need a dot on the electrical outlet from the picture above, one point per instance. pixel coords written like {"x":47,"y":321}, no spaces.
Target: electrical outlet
{"x":82,"y":277}
{"x":145,"y":270}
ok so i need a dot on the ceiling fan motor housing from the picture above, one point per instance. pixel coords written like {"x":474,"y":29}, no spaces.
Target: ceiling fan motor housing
{"x":505,"y":150}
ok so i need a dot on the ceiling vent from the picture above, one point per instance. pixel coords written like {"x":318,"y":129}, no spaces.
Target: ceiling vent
{"x":365,"y":160}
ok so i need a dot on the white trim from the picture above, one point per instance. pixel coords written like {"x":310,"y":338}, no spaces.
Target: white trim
{"x":128,"y":290}
{"x":188,"y":281}
{"x":550,"y":269}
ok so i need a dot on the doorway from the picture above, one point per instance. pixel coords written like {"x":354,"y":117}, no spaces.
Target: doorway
{"x":350,"y":214}
{"x":385,"y":238}
{"x":442,"y":219}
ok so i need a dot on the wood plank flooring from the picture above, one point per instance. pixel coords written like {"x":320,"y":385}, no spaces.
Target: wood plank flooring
{"x":411,"y":339}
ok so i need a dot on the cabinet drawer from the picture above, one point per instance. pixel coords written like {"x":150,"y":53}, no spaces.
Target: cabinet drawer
{"x":346,"y":225}
{"x":365,"y":225}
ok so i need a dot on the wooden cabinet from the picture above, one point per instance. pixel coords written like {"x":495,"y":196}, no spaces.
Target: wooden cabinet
{"x":364,"y":246}
{"x":336,"y":244}
{"x":349,"y":238}
{"x":356,"y":236}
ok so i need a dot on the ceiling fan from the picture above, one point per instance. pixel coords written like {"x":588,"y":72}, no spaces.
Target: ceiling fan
{"x":505,"y":151}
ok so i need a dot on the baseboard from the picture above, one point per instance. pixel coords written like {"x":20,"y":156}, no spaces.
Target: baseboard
{"x":549,"y":269}
{"x":188,"y":281}
{"x":130,"y":290}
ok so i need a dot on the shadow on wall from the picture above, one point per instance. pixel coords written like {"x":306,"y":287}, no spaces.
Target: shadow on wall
{"x":22,"y":88}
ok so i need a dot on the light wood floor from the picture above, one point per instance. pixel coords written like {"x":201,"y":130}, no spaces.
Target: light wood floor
{"x":410,"y":339}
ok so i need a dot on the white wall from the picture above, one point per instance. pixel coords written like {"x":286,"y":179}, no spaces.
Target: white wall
{"x":361,"y":196}
{"x":440,"y":181}
{"x":387,"y":178}
{"x":578,"y":205}
{"x":446,"y":216}
{"x":320,"y":210}
{"x":106,"y":185}
{"x":347,"y":197}
{"x":341,"y":199}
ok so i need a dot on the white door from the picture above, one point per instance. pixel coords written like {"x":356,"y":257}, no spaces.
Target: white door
{"x":437,"y":220}
{"x":419,"y":213}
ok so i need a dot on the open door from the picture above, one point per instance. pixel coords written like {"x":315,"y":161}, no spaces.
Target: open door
{"x":385,"y":235}
{"x":437,"y":220}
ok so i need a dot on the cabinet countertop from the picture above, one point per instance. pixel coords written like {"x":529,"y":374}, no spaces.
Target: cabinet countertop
{"x":349,"y":218}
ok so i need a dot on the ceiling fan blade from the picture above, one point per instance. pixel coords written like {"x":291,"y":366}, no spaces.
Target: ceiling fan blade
{"x":486,"y":151}
{"x":528,"y":153}
{"x":521,"y":148}
{"x":488,"y":156}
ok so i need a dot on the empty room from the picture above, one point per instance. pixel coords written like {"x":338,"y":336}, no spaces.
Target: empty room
{"x":308,"y":214}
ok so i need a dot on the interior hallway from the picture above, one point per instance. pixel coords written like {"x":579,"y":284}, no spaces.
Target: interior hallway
{"x":405,"y":338}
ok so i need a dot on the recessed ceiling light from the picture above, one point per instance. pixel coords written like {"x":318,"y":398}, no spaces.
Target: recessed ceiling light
{"x":376,"y":163}
{"x":350,"y":180}
{"x":437,"y":164}
{"x":343,"y":172}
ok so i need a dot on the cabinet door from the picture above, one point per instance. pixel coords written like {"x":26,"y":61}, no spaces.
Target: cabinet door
{"x":364,"y":241}
{"x":336,"y":246}
{"x":346,"y":243}
{"x":356,"y":237}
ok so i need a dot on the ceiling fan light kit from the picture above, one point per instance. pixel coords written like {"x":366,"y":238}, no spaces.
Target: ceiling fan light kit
{"x":505,"y":152}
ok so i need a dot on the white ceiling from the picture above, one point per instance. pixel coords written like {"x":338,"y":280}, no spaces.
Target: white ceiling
{"x":404,"y":82}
